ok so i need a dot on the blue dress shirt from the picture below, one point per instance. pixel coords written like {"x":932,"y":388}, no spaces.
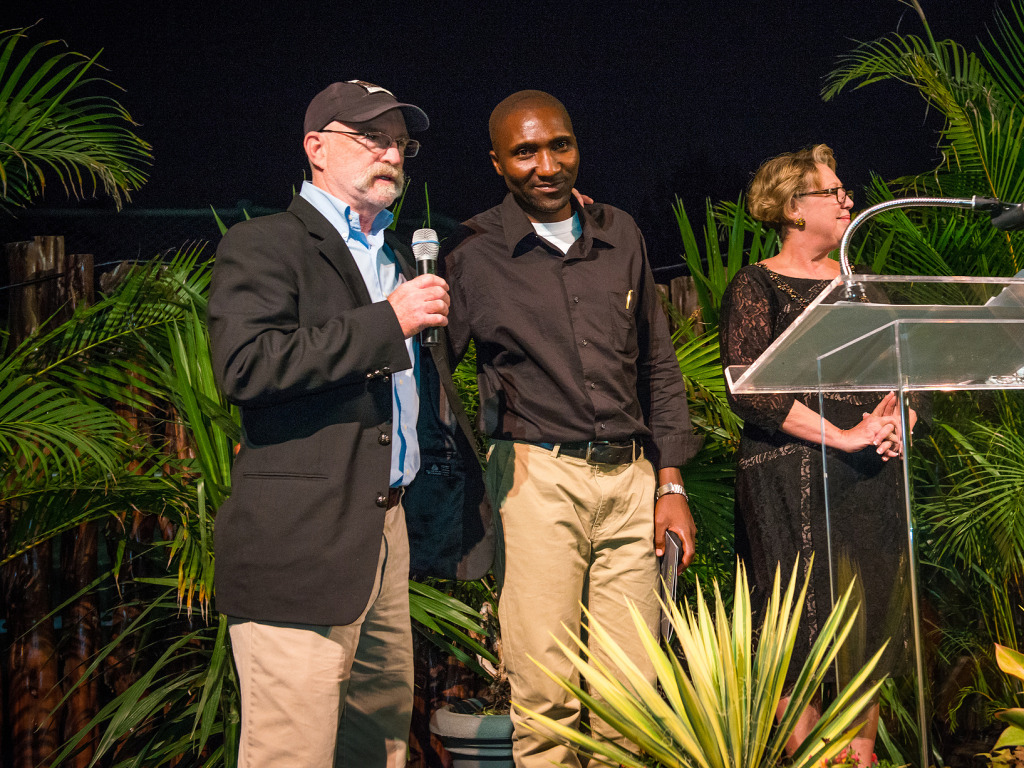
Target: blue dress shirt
{"x":380,"y":272}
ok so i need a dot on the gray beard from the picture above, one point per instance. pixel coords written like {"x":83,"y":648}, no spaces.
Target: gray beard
{"x":383,"y":169}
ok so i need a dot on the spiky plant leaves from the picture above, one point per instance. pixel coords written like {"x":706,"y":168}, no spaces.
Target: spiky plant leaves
{"x":718,"y":699}
{"x":710,"y":475}
{"x":747,"y":242}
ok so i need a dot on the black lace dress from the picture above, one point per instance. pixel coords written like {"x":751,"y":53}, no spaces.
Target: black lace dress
{"x":780,"y":493}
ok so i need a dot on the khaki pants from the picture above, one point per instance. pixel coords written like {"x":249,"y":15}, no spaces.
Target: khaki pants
{"x":317,"y":697}
{"x":569,"y":532}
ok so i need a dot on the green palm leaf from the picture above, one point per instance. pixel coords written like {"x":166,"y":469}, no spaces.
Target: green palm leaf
{"x":53,"y":124}
{"x":980,"y":515}
{"x":46,"y":430}
{"x":982,"y":136}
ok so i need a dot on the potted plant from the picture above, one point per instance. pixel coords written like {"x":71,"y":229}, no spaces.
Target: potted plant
{"x":477,"y":731}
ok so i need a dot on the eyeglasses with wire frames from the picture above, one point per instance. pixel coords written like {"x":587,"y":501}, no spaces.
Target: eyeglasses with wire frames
{"x":841,"y":193}
{"x":377,"y":141}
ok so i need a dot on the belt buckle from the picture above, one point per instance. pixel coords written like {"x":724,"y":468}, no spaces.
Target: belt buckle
{"x":598,"y":444}
{"x":606,"y":444}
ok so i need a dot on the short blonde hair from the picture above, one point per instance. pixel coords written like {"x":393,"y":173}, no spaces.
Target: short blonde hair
{"x":770,"y":197}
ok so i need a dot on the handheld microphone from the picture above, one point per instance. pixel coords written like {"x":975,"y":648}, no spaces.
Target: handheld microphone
{"x":425,"y":248}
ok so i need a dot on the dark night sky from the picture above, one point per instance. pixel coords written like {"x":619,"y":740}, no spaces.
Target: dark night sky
{"x":680,"y":98}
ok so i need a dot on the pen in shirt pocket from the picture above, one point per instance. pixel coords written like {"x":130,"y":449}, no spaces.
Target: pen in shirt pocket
{"x":629,"y":298}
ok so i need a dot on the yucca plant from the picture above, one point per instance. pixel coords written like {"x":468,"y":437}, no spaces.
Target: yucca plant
{"x":719,"y":696}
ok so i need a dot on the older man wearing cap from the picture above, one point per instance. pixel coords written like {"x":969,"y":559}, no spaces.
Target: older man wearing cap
{"x":312,"y":322}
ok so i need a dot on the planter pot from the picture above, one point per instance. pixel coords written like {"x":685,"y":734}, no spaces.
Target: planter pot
{"x":474,"y":740}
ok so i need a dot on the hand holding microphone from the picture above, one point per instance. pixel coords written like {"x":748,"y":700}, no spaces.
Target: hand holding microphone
{"x":421,"y":304}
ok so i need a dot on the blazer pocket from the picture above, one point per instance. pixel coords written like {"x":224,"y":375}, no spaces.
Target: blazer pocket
{"x":295,"y":458}
{"x":270,"y":474}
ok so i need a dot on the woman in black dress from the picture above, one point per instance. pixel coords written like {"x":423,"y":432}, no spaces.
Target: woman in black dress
{"x":780,"y":498}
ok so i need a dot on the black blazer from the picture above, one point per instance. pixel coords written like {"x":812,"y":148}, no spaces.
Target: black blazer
{"x":299,"y":346}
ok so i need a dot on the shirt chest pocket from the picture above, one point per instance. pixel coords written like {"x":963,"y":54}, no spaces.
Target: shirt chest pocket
{"x":622,"y":321}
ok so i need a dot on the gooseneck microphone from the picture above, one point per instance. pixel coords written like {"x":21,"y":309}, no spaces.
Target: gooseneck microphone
{"x":1004,"y":216}
{"x":425,"y":248}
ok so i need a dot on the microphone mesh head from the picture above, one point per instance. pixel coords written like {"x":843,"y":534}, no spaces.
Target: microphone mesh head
{"x":425,"y":244}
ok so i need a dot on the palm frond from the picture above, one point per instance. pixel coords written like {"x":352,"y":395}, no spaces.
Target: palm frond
{"x":45,"y":430}
{"x":54,"y":124}
{"x":979,"y":516}
{"x":183,"y":704}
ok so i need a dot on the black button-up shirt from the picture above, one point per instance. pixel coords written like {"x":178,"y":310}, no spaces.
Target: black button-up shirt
{"x":569,"y":347}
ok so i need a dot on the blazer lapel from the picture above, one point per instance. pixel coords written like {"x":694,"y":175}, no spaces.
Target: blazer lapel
{"x":332,"y":247}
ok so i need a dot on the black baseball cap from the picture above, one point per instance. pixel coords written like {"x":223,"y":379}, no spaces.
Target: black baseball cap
{"x":357,"y":101}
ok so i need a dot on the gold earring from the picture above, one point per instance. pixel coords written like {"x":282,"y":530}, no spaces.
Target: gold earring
{"x":800,"y":222}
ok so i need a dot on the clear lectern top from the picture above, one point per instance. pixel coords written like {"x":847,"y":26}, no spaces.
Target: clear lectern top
{"x":916,"y":333}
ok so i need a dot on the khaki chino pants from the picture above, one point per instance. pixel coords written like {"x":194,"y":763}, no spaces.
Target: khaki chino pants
{"x":317,"y":697}
{"x":569,"y":532}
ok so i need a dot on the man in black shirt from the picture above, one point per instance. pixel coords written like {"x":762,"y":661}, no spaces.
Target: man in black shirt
{"x":582,"y":398}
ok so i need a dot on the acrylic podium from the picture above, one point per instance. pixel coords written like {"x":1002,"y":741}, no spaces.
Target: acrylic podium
{"x":912,"y":336}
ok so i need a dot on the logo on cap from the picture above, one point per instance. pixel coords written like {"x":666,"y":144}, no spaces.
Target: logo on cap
{"x":370,"y":87}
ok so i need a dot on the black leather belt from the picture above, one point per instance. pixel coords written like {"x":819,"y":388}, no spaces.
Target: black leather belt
{"x":599,"y":451}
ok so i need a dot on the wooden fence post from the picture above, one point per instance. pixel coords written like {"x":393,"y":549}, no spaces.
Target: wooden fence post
{"x":49,"y":285}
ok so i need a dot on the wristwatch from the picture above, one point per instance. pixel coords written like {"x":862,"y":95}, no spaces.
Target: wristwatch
{"x":667,"y":488}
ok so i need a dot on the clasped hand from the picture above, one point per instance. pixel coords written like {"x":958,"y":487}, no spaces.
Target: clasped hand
{"x":880,"y":428}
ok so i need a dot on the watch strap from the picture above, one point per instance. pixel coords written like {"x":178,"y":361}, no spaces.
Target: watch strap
{"x":667,"y":488}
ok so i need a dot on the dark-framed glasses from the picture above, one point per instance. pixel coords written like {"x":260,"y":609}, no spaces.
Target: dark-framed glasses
{"x":377,"y":141}
{"x":841,"y":193}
